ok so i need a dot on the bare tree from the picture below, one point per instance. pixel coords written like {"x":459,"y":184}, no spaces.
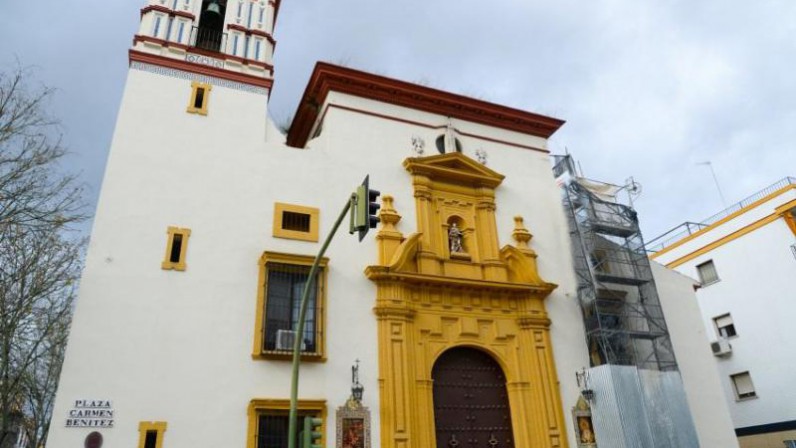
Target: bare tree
{"x":40,"y":258}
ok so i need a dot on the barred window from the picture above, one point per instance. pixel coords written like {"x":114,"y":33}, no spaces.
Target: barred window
{"x":283,"y":278}
{"x":268,"y":421}
{"x":272,"y":427}
{"x":282,"y":306}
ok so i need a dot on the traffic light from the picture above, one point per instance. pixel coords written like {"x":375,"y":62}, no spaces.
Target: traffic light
{"x":311,"y":436}
{"x":365,"y":208}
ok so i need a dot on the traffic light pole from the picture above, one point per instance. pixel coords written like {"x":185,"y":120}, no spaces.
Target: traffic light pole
{"x":293,"y":419}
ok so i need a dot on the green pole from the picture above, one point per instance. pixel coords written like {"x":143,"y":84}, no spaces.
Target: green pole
{"x":293,"y":423}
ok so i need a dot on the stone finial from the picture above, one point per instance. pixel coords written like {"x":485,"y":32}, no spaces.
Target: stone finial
{"x":521,"y":235}
{"x":388,"y":215}
{"x":389,"y":238}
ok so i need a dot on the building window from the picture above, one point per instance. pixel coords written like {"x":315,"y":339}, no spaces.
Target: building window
{"x":742,"y":383}
{"x":296,"y":222}
{"x":268,"y":421}
{"x":257,"y":49}
{"x":725,"y":326}
{"x":282,"y":279}
{"x":707,"y":273}
{"x":176,"y":248}
{"x":156,"y":27}
{"x":180,"y":31}
{"x":150,"y":434}
{"x":200,"y":96}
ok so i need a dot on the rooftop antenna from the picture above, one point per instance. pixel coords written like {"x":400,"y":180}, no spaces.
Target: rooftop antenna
{"x":633,"y":189}
{"x":710,"y":165}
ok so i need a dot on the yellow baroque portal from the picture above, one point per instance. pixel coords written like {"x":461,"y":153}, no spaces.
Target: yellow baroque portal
{"x":431,"y":298}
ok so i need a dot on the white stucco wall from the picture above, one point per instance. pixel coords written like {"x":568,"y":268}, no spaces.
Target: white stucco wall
{"x":176,"y":346}
{"x":698,"y":370}
{"x":756,"y":274}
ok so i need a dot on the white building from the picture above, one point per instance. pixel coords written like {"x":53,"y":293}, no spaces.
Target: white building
{"x":209,"y":216}
{"x":745,"y":259}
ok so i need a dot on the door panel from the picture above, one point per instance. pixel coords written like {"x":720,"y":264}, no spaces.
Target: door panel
{"x":471,"y":406}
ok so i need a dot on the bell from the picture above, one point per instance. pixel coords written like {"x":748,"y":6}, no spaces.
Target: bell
{"x":213,"y":8}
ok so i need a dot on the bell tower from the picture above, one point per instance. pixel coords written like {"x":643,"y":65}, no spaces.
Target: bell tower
{"x":228,"y":39}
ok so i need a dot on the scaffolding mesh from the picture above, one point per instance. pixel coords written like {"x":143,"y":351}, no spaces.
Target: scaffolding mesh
{"x":621,"y":310}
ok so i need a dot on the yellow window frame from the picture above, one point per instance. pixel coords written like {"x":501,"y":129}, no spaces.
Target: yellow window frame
{"x":279,"y":232}
{"x":144,"y":427}
{"x":195,"y":86}
{"x":260,"y":406}
{"x":172,"y":232}
{"x":270,"y":258}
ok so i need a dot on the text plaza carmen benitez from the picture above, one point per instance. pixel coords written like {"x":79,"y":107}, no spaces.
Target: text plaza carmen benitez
{"x":91,"y":414}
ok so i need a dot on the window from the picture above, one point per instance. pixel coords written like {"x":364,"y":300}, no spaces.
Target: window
{"x":200,"y":93}
{"x":296,"y":222}
{"x":744,"y":389}
{"x":176,"y":249}
{"x":268,"y":421}
{"x":180,"y":31}
{"x":725,"y":326}
{"x":150,"y":434}
{"x":707,"y":273}
{"x":257,"y":49}
{"x":156,"y":27}
{"x":235,"y":39}
{"x":282,"y":280}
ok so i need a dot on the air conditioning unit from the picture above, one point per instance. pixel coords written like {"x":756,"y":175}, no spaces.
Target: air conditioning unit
{"x":721,"y":347}
{"x":285,"y":340}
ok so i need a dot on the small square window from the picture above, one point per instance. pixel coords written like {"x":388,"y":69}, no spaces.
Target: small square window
{"x":200,"y":96}
{"x":725,"y":326}
{"x":707,"y":273}
{"x":268,"y":421}
{"x":176,"y":249}
{"x":151,"y":434}
{"x":296,"y":222}
{"x":742,"y":383}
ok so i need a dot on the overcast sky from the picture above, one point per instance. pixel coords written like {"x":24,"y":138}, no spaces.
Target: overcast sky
{"x":648,"y":88}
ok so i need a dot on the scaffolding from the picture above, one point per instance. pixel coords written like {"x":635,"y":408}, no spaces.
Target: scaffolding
{"x":621,"y":311}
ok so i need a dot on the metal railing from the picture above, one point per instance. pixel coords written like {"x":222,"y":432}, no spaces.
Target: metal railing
{"x":687,"y":228}
{"x":208,"y":39}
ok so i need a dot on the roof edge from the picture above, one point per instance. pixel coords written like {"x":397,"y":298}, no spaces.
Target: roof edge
{"x":329,"y":77}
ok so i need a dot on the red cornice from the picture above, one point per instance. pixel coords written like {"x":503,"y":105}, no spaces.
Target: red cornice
{"x":245,"y":30}
{"x":327,"y":77}
{"x":163,"y":61}
{"x":210,"y":54}
{"x":168,"y":11}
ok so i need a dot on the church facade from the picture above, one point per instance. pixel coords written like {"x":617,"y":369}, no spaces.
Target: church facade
{"x":459,"y":309}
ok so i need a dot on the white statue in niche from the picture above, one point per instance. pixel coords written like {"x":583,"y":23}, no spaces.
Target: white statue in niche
{"x":450,"y":137}
{"x":455,"y":239}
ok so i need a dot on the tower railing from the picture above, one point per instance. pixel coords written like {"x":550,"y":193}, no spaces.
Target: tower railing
{"x":208,"y":39}
{"x":688,"y":228}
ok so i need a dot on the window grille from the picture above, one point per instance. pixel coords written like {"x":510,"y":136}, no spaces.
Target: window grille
{"x":299,"y":222}
{"x":284,"y":287}
{"x":272,"y":428}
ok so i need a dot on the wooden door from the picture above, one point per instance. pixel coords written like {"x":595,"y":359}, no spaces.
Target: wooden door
{"x":471,"y":406}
